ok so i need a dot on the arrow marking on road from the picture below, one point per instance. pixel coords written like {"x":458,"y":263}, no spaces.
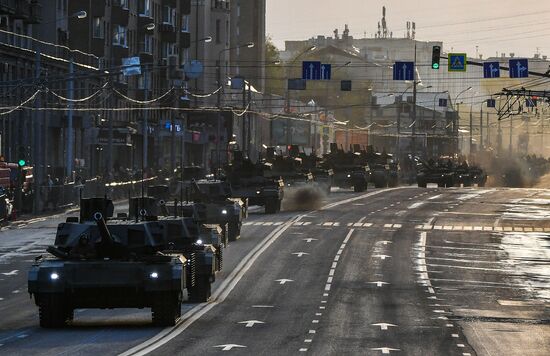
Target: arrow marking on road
{"x":228,"y":347}
{"x":385,"y":350}
{"x":251,"y":323}
{"x":383,"y":257}
{"x":379,"y":283}
{"x":383,"y":326}
{"x":300,"y":254}
{"x":12,"y":273}
{"x":309,"y":239}
{"x":283,"y":281}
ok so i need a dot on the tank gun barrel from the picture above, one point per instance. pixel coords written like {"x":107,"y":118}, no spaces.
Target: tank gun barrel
{"x":106,"y":237}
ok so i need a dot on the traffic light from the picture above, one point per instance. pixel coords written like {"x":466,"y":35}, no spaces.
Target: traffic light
{"x":436,"y":54}
{"x":22,"y":156}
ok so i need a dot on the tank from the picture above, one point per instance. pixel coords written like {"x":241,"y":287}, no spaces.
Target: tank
{"x":441,"y":172}
{"x":254,"y":182}
{"x":288,"y":168}
{"x":348,"y":169}
{"x":323,"y":177}
{"x":383,"y":166}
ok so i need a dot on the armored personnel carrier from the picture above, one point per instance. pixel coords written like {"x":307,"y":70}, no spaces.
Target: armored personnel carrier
{"x":254,"y":182}
{"x":348,"y":169}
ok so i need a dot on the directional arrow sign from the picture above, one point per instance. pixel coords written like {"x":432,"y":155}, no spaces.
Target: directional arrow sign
{"x":379,"y":283}
{"x":250,"y":323}
{"x":519,"y":68}
{"x":385,"y":350}
{"x":403,"y":71}
{"x":326,"y":71}
{"x":283,"y":281}
{"x":383,"y":326}
{"x":12,"y":273}
{"x":228,"y":347}
{"x":309,"y":239}
{"x":300,"y":254}
{"x":491,"y":70}
{"x":311,"y":70}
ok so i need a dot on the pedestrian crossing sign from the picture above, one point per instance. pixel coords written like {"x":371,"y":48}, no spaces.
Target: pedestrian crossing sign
{"x":457,"y":62}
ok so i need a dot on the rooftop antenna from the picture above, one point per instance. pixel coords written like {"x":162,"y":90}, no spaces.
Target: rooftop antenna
{"x":384,"y":24}
{"x":413,"y":30}
{"x":408,"y":30}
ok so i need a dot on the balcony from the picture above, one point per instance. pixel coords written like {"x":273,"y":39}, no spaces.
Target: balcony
{"x":168,"y":32}
{"x":119,"y":13}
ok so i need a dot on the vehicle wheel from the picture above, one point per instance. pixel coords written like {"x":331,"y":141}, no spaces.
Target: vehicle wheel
{"x":441,"y":184}
{"x":166,"y":310}
{"x":219,"y":256}
{"x":233,"y":230}
{"x":272,"y":206}
{"x":450,"y":183}
{"x":360,"y":187}
{"x":467,"y":183}
{"x":52,"y":311}
{"x":380,"y":183}
{"x":201,"y":291}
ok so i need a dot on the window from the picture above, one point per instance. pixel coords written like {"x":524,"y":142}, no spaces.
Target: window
{"x":168,"y":15}
{"x":168,"y":49}
{"x":144,"y":82}
{"x":99,"y":28}
{"x":145,"y":8}
{"x":124,"y":4}
{"x":147,"y":44}
{"x":185,"y":24}
{"x":120,"y":36}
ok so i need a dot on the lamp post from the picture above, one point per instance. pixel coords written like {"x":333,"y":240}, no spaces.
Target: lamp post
{"x":221,"y":90}
{"x":455,"y":119}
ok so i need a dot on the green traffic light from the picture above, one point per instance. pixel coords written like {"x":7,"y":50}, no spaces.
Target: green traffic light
{"x":22,"y":162}
{"x":435,"y":66}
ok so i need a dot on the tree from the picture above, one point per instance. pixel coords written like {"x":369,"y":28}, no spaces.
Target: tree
{"x":274,"y":71}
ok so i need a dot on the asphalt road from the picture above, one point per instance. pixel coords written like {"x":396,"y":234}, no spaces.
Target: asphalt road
{"x":403,"y":271}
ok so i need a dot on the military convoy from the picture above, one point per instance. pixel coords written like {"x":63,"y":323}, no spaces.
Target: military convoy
{"x":98,"y":261}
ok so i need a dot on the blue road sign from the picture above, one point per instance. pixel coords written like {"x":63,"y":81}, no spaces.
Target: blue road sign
{"x":491,"y":103}
{"x":311,"y":70}
{"x":443,"y":102}
{"x":491,"y":70}
{"x":326,"y":71}
{"x":519,"y":68}
{"x":457,"y":62}
{"x":403,"y":71}
{"x":131,"y":66}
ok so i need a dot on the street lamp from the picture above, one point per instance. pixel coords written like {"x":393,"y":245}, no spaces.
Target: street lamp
{"x":219,"y":99}
{"x":456,"y":117}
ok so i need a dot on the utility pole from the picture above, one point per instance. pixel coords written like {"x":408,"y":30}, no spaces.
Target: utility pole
{"x":481,"y":126}
{"x":145,"y":128}
{"x":511,"y":127}
{"x":243,"y":119}
{"x":414,"y":104}
{"x":488,"y":130}
{"x":471,"y":130}
{"x":499,"y":137}
{"x":36,"y":140}
{"x":70,"y":95}
{"x":249,"y":120}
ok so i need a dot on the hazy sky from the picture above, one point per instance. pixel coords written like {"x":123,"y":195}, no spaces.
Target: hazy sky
{"x":503,"y":25}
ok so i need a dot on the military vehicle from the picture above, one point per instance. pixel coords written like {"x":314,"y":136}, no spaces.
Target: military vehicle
{"x":312,"y":163}
{"x":348,"y":169}
{"x":213,"y":202}
{"x":478,"y":176}
{"x":441,"y":173}
{"x":384,"y":168}
{"x":100,"y":262}
{"x":288,"y":168}
{"x":254,"y":182}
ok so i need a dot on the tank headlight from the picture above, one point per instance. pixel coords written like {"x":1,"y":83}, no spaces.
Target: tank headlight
{"x":199,"y":242}
{"x":224,"y":212}
{"x":258,"y":192}
{"x":154,"y":275}
{"x":349,"y":175}
{"x":54,"y":276}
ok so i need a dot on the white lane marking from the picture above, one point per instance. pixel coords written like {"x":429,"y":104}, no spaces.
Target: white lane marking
{"x":385,"y":350}
{"x":324,"y":301}
{"x":1,"y":299}
{"x":387,"y":225}
{"x":331,"y":272}
{"x":312,"y":331}
{"x":228,"y":347}
{"x":262,"y":306}
{"x":416,"y":205}
{"x":322,"y":307}
{"x":384,"y":326}
{"x":325,"y":294}
{"x":336,"y":258}
{"x":300,"y":254}
{"x":278,"y":223}
{"x":309,"y":239}
{"x":379,"y":283}
{"x":251,"y":323}
{"x":283,"y":280}
{"x":384,"y":242}
{"x":318,"y":314}
{"x":327,"y":287}
{"x":382,"y":257}
{"x":12,"y":273}
{"x":450,"y":325}
{"x":327,"y":224}
{"x":269,"y":223}
{"x":454,"y":335}
{"x":315,"y":321}
{"x":435,"y":197}
{"x":229,"y":284}
{"x":308,"y":340}
{"x":460,"y":345}
{"x":247,"y":223}
{"x":298,"y":223}
{"x":334,"y":264}
{"x":17,"y":291}
{"x":302,"y":350}
{"x":329,"y":279}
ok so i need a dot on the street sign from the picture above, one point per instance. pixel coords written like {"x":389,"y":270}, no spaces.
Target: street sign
{"x":193,"y":69}
{"x":403,"y":71}
{"x":519,"y":68}
{"x":131,"y":66}
{"x":457,"y":62}
{"x":237,"y":83}
{"x":326,"y":71}
{"x":345,"y":85}
{"x":311,"y":70}
{"x":443,"y":103}
{"x":297,"y":84}
{"x":491,"y":70}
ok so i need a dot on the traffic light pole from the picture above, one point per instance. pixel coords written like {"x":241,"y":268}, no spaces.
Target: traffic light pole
{"x":70,"y":96}
{"x":414,"y":104}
